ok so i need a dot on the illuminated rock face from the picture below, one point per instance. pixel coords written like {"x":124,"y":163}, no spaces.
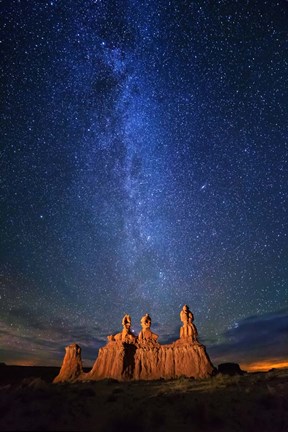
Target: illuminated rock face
{"x":172,"y":361}
{"x":151,"y":361}
{"x":126,"y":357}
{"x":115,"y":360}
{"x":71,"y":368}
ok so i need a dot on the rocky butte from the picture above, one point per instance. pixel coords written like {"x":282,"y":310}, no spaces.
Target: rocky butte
{"x":127,"y":357}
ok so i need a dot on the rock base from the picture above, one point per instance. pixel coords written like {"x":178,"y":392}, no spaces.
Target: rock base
{"x":127,"y":357}
{"x":140,"y":361}
{"x":151,"y":361}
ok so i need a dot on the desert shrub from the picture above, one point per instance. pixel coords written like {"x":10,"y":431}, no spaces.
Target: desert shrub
{"x":34,"y":383}
{"x":221,"y":380}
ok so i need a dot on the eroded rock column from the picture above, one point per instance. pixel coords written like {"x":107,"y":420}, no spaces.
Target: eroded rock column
{"x":71,"y":368}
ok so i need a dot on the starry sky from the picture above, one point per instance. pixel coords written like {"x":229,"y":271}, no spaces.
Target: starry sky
{"x":143,"y":166}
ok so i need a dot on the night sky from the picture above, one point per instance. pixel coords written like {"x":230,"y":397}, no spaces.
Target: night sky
{"x":144,"y":165}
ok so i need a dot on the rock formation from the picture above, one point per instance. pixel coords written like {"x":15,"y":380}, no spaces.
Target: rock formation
{"x":71,"y":368}
{"x":126,"y":335}
{"x":188,"y":331}
{"x":126,"y":357}
{"x":230,"y":369}
{"x":146,"y":334}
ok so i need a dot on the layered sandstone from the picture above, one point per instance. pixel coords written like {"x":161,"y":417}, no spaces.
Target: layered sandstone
{"x":172,"y":361}
{"x":126,"y":357}
{"x":151,"y":361}
{"x":71,"y":368}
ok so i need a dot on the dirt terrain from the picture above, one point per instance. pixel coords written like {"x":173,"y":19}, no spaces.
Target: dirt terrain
{"x":252,"y":402}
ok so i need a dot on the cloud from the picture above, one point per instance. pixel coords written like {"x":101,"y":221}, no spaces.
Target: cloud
{"x":24,"y":337}
{"x":254,"y":338}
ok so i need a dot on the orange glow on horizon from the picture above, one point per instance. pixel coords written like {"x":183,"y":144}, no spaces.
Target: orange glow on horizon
{"x":23,"y":363}
{"x":264,"y":366}
{"x":27,"y":362}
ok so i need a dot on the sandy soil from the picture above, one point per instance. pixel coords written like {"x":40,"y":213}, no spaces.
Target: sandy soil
{"x":253,"y":402}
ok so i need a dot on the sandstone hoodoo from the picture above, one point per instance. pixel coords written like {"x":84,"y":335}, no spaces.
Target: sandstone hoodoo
{"x":71,"y":368}
{"x":127,"y":357}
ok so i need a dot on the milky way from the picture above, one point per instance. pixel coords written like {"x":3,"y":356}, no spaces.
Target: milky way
{"x":143,"y":166}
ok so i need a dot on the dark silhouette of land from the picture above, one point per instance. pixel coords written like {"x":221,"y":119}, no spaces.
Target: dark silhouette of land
{"x":15,"y":374}
{"x":242,"y":402}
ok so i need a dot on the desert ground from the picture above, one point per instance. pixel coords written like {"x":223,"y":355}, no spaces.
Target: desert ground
{"x":249,"y":402}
